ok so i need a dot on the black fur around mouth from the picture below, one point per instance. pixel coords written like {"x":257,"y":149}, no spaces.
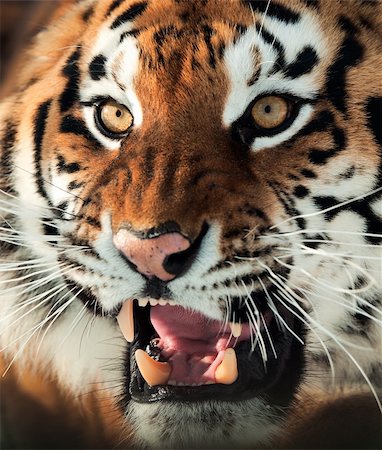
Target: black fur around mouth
{"x":276,"y":383}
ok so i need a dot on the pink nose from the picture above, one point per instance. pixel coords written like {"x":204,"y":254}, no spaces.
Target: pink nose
{"x":150,"y":255}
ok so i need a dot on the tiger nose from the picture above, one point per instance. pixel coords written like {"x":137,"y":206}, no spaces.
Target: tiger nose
{"x":163,"y":256}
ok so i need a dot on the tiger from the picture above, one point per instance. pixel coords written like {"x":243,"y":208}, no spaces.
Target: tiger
{"x":191,"y":212}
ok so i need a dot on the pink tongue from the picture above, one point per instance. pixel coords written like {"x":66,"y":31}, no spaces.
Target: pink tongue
{"x":185,"y":330}
{"x":191,"y":343}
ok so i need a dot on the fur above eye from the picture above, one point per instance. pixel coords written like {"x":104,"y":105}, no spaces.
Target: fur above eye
{"x":271,"y":111}
{"x":113,"y":119}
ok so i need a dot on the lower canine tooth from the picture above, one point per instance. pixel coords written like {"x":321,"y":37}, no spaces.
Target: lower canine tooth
{"x":227,"y":373}
{"x":154,"y":372}
{"x":236,"y":329}
{"x":125,"y":320}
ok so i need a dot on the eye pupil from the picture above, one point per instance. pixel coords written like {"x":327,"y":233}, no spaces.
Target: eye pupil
{"x":267,"y":109}
{"x":118,"y":113}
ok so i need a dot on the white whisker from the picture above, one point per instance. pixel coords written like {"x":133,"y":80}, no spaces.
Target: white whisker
{"x":363,"y":271}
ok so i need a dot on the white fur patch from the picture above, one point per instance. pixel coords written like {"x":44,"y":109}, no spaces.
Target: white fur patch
{"x":118,"y":84}
{"x":240,"y":64}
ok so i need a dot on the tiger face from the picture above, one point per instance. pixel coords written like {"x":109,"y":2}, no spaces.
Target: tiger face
{"x":191,"y":205}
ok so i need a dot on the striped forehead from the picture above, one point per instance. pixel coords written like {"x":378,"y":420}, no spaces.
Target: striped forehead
{"x":274,"y":56}
{"x":112,"y":64}
{"x":271,"y":55}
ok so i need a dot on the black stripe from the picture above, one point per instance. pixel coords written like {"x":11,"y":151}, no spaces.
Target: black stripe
{"x":147,"y":165}
{"x":270,"y":39}
{"x":307,"y":173}
{"x":349,"y":56}
{"x":254,"y":212}
{"x":300,"y":191}
{"x":304,"y":63}
{"x":320,"y":123}
{"x":71,"y":71}
{"x":39,"y":132}
{"x":134,"y":11}
{"x":163,"y":33}
{"x":114,"y":6}
{"x":75,"y":185}
{"x":347,"y":25}
{"x":134,"y":33}
{"x":273,"y":10}
{"x":288,"y":204}
{"x":314,"y":4}
{"x":97,"y":68}
{"x":6,"y":164}
{"x":254,"y":77}
{"x":7,"y":248}
{"x":208,"y":33}
{"x":360,"y":207}
{"x":339,"y":143}
{"x":374,"y":116}
{"x":76,"y":126}
{"x":63,"y":166}
{"x":327,"y":202}
{"x":87,"y":14}
{"x":61,"y":208}
{"x":49,"y":228}
{"x":93,"y":222}
{"x":361,"y":321}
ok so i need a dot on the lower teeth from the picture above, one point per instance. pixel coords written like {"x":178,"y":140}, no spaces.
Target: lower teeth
{"x":153,"y":349}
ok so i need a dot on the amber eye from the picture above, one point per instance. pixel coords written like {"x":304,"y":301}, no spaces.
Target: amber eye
{"x":270,"y":111}
{"x":114,"y":118}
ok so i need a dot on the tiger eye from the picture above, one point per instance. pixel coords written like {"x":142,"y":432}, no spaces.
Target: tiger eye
{"x":270,"y":111}
{"x":115,"y":118}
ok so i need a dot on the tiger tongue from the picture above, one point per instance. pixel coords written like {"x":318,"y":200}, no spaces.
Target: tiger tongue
{"x":195,"y":346}
{"x":178,"y":327}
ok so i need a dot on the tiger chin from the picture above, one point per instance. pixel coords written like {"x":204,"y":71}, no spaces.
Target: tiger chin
{"x":190,"y":210}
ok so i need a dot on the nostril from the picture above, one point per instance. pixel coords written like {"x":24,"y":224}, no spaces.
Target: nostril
{"x":147,"y":255}
{"x":178,"y":263}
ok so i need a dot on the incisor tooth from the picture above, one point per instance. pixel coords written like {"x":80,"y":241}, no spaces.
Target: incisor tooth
{"x":125,"y":320}
{"x":227,"y":373}
{"x":236,"y":329}
{"x":162,"y":301}
{"x":154,"y":372}
{"x":153,"y":302}
{"x":143,"y":302}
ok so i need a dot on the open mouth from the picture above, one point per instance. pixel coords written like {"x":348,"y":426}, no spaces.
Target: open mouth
{"x":181,"y":355}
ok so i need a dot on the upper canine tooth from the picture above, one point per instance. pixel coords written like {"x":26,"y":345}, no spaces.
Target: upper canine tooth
{"x":153,"y":302}
{"x":226,"y":372}
{"x":154,"y":372}
{"x":236,"y":329}
{"x":125,"y":320}
{"x":143,"y":302}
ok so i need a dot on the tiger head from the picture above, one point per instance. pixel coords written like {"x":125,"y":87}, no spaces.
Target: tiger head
{"x":191,"y":191}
